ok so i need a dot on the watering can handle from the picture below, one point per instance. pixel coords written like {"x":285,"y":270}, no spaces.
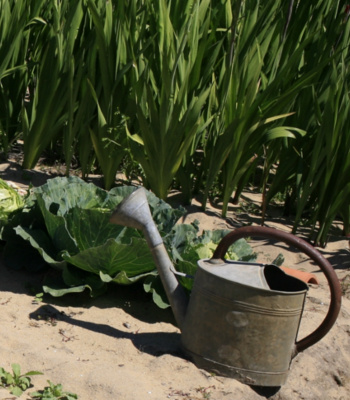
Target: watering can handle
{"x":315,"y":255}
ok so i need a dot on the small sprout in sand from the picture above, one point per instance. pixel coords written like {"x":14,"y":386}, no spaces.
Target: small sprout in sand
{"x":16,"y":382}
{"x":345,"y":286}
{"x":38,"y":298}
{"x":53,"y":392}
{"x":205,"y":392}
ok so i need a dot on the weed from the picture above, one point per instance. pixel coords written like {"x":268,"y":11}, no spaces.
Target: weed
{"x":248,"y":208}
{"x":205,"y":392}
{"x":16,"y":382}
{"x":38,"y":298}
{"x":36,"y":292}
{"x":345,"y":286}
{"x":279,"y":260}
{"x":53,"y":392}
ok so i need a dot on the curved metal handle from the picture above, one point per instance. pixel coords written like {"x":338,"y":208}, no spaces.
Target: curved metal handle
{"x":315,"y":255}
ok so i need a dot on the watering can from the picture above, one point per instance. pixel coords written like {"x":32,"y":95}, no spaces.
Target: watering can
{"x":242,"y":319}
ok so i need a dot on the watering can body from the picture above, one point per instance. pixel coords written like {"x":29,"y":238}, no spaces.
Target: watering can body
{"x":242,"y":319}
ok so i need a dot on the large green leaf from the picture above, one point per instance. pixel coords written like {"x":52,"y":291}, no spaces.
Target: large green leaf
{"x":91,"y":228}
{"x":42,"y":243}
{"x":154,"y":286}
{"x":56,"y":226}
{"x":74,"y":280}
{"x":67,"y":193}
{"x":112,"y":257}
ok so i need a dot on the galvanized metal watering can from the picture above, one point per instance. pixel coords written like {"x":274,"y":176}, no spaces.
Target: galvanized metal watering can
{"x":242,"y":319}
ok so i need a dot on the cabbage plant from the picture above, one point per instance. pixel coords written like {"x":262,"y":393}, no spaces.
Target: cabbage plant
{"x":64,"y":225}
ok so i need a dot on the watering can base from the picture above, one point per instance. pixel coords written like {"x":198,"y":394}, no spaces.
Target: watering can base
{"x":248,"y":377}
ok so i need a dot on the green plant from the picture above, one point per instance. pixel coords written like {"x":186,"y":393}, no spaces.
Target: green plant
{"x":260,"y":79}
{"x":314,"y":169}
{"x":345,"y":286}
{"x":38,"y":298}
{"x":53,"y":392}
{"x":205,"y":391}
{"x":56,"y":71}
{"x":16,"y":382}
{"x":65,"y":224}
{"x":15,"y":67}
{"x":111,"y":57}
{"x":171,"y":85}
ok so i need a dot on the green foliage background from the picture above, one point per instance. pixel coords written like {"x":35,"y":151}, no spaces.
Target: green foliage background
{"x":192,"y":94}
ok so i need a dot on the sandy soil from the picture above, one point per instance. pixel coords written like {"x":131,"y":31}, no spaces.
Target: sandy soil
{"x":121,"y":346}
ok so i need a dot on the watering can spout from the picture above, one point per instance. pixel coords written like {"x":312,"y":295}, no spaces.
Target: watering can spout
{"x":134,"y":212}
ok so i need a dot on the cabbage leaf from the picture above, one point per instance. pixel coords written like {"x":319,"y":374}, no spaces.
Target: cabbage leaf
{"x":10,"y":201}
